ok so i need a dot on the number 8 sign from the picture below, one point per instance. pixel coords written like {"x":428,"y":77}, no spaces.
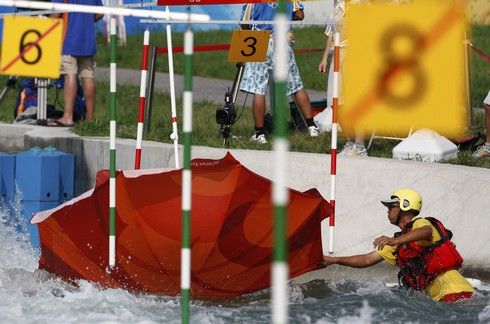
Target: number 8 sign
{"x":31,"y":47}
{"x":404,"y":68}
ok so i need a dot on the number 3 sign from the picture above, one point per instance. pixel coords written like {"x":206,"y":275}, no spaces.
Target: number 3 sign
{"x":249,"y":45}
{"x":31,"y":47}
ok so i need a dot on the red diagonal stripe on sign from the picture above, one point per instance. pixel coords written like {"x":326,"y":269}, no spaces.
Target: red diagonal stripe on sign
{"x":27,"y":48}
{"x":435,"y":34}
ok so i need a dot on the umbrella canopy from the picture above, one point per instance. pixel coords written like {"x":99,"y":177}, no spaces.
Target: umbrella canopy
{"x":231,"y":231}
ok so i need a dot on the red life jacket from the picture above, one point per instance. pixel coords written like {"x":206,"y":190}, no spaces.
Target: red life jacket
{"x":419,"y":265}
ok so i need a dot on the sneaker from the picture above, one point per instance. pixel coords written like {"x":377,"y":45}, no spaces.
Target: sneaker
{"x":314,"y":131}
{"x":347,"y":146}
{"x":258,"y":138}
{"x":482,"y":151}
{"x":352,"y":149}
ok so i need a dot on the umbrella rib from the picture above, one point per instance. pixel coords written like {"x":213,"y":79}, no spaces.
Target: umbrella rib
{"x":226,"y":215}
{"x":138,"y":222}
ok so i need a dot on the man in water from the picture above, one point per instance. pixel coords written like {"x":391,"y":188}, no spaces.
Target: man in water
{"x":423,"y":251}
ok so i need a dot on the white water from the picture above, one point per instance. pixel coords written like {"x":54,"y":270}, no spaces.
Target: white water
{"x":28,"y":295}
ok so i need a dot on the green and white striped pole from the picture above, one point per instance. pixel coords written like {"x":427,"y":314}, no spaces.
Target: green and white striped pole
{"x":112,"y":150}
{"x":185,"y":274}
{"x":280,"y":197}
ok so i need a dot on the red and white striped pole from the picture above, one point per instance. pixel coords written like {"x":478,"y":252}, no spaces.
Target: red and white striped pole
{"x":141,"y":113}
{"x":333,"y":149}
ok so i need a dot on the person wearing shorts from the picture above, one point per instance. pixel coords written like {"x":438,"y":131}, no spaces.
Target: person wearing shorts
{"x":77,"y":60}
{"x":256,"y":74}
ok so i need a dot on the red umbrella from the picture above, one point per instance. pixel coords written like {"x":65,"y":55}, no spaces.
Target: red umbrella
{"x":231,"y":232}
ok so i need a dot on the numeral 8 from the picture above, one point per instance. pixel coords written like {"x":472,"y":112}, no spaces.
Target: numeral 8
{"x":406,"y":62}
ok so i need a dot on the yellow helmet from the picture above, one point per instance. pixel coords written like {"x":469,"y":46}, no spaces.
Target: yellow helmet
{"x":409,"y":199}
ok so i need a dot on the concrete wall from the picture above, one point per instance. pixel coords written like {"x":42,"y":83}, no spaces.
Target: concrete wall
{"x":458,"y":195}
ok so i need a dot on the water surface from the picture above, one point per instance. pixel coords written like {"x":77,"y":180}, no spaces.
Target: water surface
{"x":29,"y":295}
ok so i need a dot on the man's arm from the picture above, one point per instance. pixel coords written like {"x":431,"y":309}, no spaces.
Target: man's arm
{"x":322,"y":67}
{"x":423,"y":233}
{"x":354,"y":261}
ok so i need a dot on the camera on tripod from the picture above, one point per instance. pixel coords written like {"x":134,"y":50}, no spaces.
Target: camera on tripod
{"x":226,"y":116}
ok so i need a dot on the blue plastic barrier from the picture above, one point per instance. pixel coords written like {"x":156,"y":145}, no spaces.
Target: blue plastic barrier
{"x":7,"y":175}
{"x":67,"y":175}
{"x":29,"y":208}
{"x":36,"y":174}
{"x":45,"y":179}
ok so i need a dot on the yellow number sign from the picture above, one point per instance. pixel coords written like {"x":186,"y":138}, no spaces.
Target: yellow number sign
{"x":31,"y":47}
{"x":404,"y":67}
{"x":249,"y":45}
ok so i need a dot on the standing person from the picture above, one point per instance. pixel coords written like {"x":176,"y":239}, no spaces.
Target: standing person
{"x":256,"y":74}
{"x":484,"y":150}
{"x":423,"y":251}
{"x":79,"y":46}
{"x":356,"y":148}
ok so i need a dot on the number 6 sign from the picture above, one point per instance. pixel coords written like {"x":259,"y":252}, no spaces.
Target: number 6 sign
{"x":249,"y":45}
{"x":31,"y":47}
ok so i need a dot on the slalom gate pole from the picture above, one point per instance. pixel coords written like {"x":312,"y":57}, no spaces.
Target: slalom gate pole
{"x":152,"y":67}
{"x":185,"y":274}
{"x":467,"y":75}
{"x":333,"y":150}
{"x":175,"y":135}
{"x":280,"y":269}
{"x":112,"y":150}
{"x":141,"y":113}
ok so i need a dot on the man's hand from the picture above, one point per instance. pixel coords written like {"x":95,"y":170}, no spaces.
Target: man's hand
{"x":328,"y":260}
{"x":383,"y":240}
{"x":322,"y":67}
